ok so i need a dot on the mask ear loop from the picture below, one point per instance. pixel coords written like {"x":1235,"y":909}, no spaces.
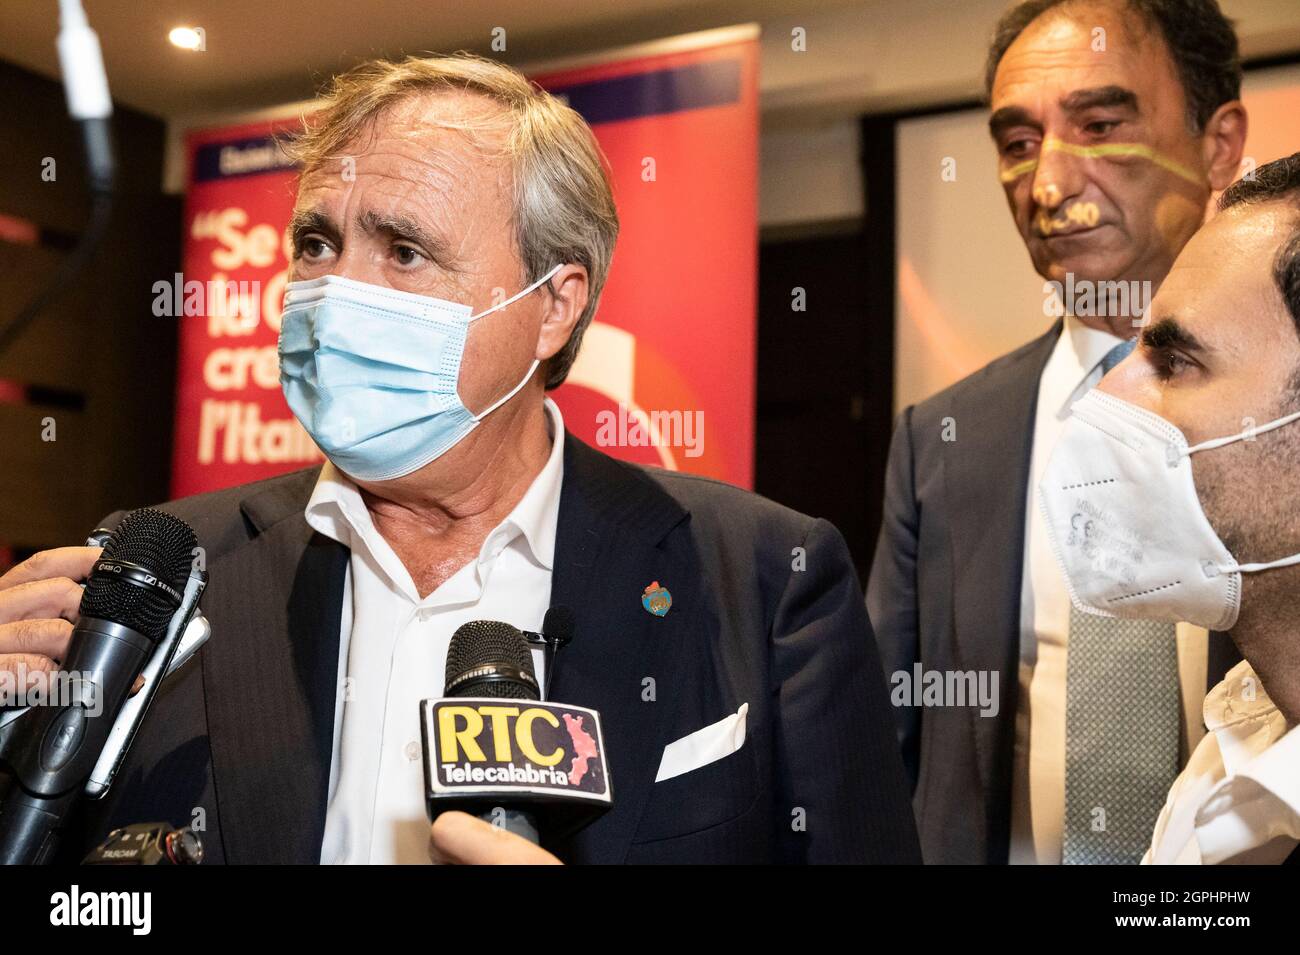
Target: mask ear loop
{"x":1174,"y":453}
{"x":1255,"y":568}
{"x":536,"y":361}
{"x":1240,"y":436}
{"x":518,"y":295}
{"x":509,"y":394}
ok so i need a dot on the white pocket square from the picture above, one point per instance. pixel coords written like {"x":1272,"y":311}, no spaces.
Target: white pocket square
{"x":704,"y":746}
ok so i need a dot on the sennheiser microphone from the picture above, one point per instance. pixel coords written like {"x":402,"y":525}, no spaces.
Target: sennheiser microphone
{"x":493,"y":749}
{"x":131,"y":598}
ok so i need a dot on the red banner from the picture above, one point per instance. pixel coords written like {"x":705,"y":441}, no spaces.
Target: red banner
{"x":666,"y":372}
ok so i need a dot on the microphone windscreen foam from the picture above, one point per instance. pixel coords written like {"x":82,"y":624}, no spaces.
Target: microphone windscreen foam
{"x":492,"y":651}
{"x":164,"y":546}
{"x":559,"y":624}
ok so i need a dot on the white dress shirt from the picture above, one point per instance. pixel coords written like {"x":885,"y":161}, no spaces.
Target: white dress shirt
{"x":1238,"y":800}
{"x":1038,"y":782}
{"x":393,"y":651}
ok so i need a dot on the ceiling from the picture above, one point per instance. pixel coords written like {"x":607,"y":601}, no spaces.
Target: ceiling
{"x":861,"y":55}
{"x":264,"y":52}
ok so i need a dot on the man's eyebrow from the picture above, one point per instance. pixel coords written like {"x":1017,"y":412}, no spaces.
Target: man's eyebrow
{"x":305,"y":221}
{"x":398,"y":226}
{"x":1168,"y":333}
{"x":1080,"y":100}
{"x":1009,"y":116}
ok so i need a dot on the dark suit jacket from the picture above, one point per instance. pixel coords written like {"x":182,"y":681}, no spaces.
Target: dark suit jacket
{"x":244,"y":731}
{"x":945,"y":591}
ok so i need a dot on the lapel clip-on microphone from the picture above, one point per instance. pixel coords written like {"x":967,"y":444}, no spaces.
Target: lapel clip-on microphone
{"x":557,"y":632}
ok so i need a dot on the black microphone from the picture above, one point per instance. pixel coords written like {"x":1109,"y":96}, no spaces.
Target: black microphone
{"x":490,"y":658}
{"x":557,"y":631}
{"x":558,"y":625}
{"x":133,"y":591}
{"x":493,"y":749}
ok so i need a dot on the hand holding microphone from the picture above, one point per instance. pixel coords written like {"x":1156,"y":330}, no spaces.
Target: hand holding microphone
{"x":38,"y":606}
{"x":458,"y":838}
{"x":128,"y":609}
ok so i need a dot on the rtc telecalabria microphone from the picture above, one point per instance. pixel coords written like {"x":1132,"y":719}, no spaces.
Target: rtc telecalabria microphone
{"x":133,"y":592}
{"x":492,"y":749}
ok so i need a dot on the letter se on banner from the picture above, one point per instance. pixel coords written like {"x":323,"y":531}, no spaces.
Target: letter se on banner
{"x":666,"y":371}
{"x":232,"y":424}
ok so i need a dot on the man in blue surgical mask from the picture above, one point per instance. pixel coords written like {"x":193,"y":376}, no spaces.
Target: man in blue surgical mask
{"x":453,"y":229}
{"x":1172,"y":495}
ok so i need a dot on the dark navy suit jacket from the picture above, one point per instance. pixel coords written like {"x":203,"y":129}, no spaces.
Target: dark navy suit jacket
{"x":244,"y":731}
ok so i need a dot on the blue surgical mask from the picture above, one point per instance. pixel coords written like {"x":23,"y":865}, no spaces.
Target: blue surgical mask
{"x":371,"y":373}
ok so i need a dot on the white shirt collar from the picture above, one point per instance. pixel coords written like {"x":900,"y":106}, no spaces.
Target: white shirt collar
{"x":1239,"y":698}
{"x":1068,"y":373}
{"x":337,"y":510}
{"x":1245,"y":721}
{"x":1261,"y":763}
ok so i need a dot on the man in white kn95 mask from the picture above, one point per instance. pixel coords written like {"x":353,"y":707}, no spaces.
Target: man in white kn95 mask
{"x":1172,"y":495}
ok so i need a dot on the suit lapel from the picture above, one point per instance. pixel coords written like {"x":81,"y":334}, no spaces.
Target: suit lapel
{"x":280,"y":600}
{"x":986,"y":473}
{"x":612,"y":520}
{"x":275,"y":643}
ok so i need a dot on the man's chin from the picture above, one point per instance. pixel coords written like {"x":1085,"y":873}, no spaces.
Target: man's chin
{"x":1089,"y":266}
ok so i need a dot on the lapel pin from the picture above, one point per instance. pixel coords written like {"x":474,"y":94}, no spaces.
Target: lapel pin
{"x":656,"y":599}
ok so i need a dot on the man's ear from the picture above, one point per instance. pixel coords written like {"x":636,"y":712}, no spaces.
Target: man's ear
{"x":565,"y":302}
{"x":1222,"y":144}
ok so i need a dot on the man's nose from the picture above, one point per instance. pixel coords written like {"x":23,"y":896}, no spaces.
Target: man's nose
{"x":357,"y":262}
{"x":1058,"y":177}
{"x":1132,"y":380}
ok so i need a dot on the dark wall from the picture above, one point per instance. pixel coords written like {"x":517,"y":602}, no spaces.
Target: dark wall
{"x":96,"y":362}
{"x":825,"y":385}
{"x":826,"y":375}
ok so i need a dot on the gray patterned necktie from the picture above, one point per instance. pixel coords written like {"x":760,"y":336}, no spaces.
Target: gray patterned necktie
{"x":1121,"y":728}
{"x":1117,"y":354}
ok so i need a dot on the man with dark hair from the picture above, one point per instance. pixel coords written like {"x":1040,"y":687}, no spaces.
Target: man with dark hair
{"x":1216,"y":383}
{"x":1199,"y":38}
{"x":1114,"y":122}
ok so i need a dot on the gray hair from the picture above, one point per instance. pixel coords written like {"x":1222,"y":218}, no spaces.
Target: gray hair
{"x":564,"y":207}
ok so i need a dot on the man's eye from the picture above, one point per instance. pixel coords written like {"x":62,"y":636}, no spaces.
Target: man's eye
{"x":312,"y":247}
{"x":1168,"y":363}
{"x":1018,"y":148}
{"x":406,"y":255}
{"x":1101,"y":127}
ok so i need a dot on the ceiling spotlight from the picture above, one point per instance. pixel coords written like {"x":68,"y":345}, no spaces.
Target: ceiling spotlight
{"x":188,"y":38}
